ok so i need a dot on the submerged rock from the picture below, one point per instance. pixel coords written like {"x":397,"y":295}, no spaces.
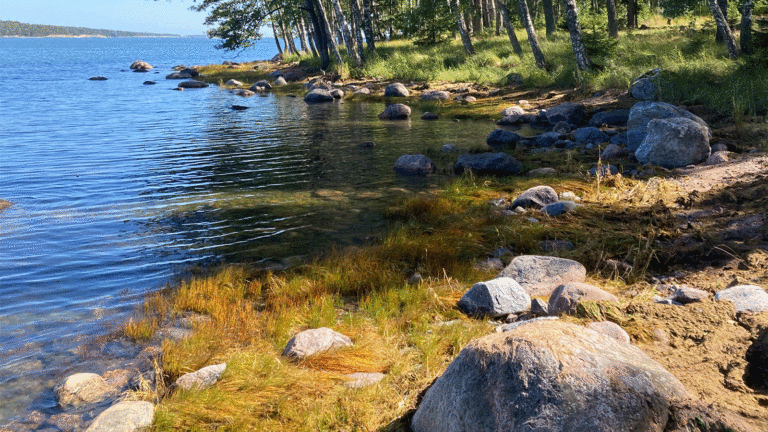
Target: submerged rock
{"x":318,"y":95}
{"x":414,"y":165}
{"x":192,"y":84}
{"x":497,"y":164}
{"x":81,"y":389}
{"x":396,"y":112}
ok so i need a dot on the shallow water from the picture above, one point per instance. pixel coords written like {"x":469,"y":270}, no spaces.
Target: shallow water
{"x":120,"y":187}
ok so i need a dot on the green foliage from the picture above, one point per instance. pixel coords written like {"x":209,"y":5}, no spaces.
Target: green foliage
{"x":595,"y":34}
{"x":429,"y":23}
{"x":15,"y":28}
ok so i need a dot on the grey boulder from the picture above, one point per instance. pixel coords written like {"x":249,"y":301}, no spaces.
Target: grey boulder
{"x":496,"y":164}
{"x":202,"y":378}
{"x":603,"y":171}
{"x":396,"y":90}
{"x":645,"y":87}
{"x":565,"y":298}
{"x":590,"y":135}
{"x":559,"y":208}
{"x":745,"y":298}
{"x":313,"y":341}
{"x":611,"y":330}
{"x":569,"y":112}
{"x":435,"y":95}
{"x":641,"y":115}
{"x":233,"y":83}
{"x":280,"y":81}
{"x":610,"y":118}
{"x":414,"y":165}
{"x":612,"y":151}
{"x":687,"y":295}
{"x":513,"y":110}
{"x":550,"y":376}
{"x":126,"y":416}
{"x":396,"y":112}
{"x":192,"y":84}
{"x":540,"y":275}
{"x":495,"y":298}
{"x":535,"y":197}
{"x":503,"y":138}
{"x":82,"y":388}
{"x":318,"y":95}
{"x":674,"y":142}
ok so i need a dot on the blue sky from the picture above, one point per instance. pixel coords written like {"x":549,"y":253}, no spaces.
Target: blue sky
{"x":163,"y":16}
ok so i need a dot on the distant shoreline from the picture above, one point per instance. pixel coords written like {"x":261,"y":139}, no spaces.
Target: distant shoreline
{"x":91,"y":36}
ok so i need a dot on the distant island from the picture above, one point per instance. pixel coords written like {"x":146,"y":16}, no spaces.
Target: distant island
{"x":18,"y":29}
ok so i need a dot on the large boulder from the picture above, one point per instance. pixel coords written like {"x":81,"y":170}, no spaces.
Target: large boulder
{"x":550,"y":376}
{"x":261,"y":85}
{"x":179,"y":75}
{"x":535,"y":197}
{"x":645,"y":87}
{"x":82,"y":388}
{"x":674,"y":142}
{"x":202,"y":378}
{"x":314,"y":341}
{"x":396,"y":90}
{"x":610,"y":118}
{"x":570,"y":112}
{"x":495,"y":164}
{"x":318,"y":95}
{"x":280,"y":81}
{"x":495,"y":298}
{"x":540,"y":275}
{"x":192,"y":84}
{"x":565,"y":298}
{"x":435,"y":95}
{"x":126,"y":416}
{"x":503,"y":138}
{"x":141,"y":66}
{"x":745,"y":298}
{"x":643,"y":112}
{"x":396,"y":112}
{"x":513,"y":110}
{"x":414,"y":165}
{"x":233,"y":83}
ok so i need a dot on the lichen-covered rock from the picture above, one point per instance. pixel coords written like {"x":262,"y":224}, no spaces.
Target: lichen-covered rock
{"x":549,"y":376}
{"x":313,"y":341}
{"x":535,"y":197}
{"x":540,"y":275}
{"x":82,"y":388}
{"x":745,"y":298}
{"x":126,"y":416}
{"x":495,"y":298}
{"x":396,"y":112}
{"x":396,"y":90}
{"x":674,"y":142}
{"x":641,"y":115}
{"x":414,"y":165}
{"x":496,"y":164}
{"x":566,"y":297}
{"x":202,"y":378}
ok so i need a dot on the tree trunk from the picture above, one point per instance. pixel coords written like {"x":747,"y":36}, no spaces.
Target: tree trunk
{"x":487,"y":14}
{"x":549,"y":18}
{"x":357,"y":27}
{"x":288,"y":38}
{"x":349,"y":42}
{"x":477,"y":18}
{"x":579,"y":51}
{"x":277,"y":39}
{"x":498,"y":22}
{"x":723,"y":4}
{"x":327,"y":31}
{"x":302,"y":34}
{"x":746,"y":27}
{"x":368,"y":25}
{"x":722,"y":25}
{"x":318,"y":31}
{"x":613,"y":22}
{"x":632,"y":14}
{"x":532,"y":39}
{"x":501,"y":6}
{"x":465,"y":40}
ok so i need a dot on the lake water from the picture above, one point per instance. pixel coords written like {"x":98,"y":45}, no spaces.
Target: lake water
{"x":119,"y":187}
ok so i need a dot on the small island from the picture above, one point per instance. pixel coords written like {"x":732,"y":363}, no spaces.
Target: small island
{"x":19,"y":29}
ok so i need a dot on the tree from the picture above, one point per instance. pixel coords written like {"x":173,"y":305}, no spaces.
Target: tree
{"x":463,"y":32}
{"x":502,"y":7}
{"x":549,"y":18}
{"x":579,"y":51}
{"x":613,"y":22}
{"x":357,"y":27}
{"x":522,"y":7}
{"x":722,"y":26}
{"x":348,"y":41}
{"x":746,"y":27}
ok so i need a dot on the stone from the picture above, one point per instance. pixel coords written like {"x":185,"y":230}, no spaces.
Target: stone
{"x":745,"y":298}
{"x":603,"y":171}
{"x":719,"y":148}
{"x":81,"y":389}
{"x":556,"y":245}
{"x":126,"y":416}
{"x":495,"y":298}
{"x":611,"y":330}
{"x":435,"y":95}
{"x":569,"y":196}
{"x":429,"y":116}
{"x":613,"y":151}
{"x":280,"y":81}
{"x":717,"y":158}
{"x":512,"y":111}
{"x":503,"y":138}
{"x":202,"y":378}
{"x":469,"y":99}
{"x":233,"y":83}
{"x":318,"y":96}
{"x":565,"y":298}
{"x":562,"y":128}
{"x":569,"y":112}
{"x":540,"y":275}
{"x":610,"y":118}
{"x":179,"y":75}
{"x":535,"y":197}
{"x":260,"y":86}
{"x":542,"y":172}
{"x":687,"y":295}
{"x":414,"y":165}
{"x":415,"y":279}
{"x":548,"y":139}
{"x":514,"y":79}
{"x":491,"y":164}
{"x":673,"y":143}
{"x":98,"y":78}
{"x":149,"y":83}
{"x":313,"y":341}
{"x":490,"y":265}
{"x":245,"y":93}
{"x":396,"y":90}
{"x":448,"y":148}
{"x":192,"y":84}
{"x":367,"y":145}
{"x":645,"y":86}
{"x":550,"y":376}
{"x":5,"y":204}
{"x":140,"y":65}
{"x":516,"y":119}
{"x":396,"y":112}
{"x":559,"y":208}
{"x":539,"y":307}
{"x":363,"y":379}
{"x":641,"y":115}
{"x":511,"y":325}
{"x":337,"y":93}
{"x":590,"y":135}
{"x":363,"y":91}
{"x":619,"y":139}
{"x":67,"y":422}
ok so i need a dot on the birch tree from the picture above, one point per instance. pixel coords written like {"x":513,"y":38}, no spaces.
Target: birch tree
{"x":574,"y":28}
{"x":533,"y":41}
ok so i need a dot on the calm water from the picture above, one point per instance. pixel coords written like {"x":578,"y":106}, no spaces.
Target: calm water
{"x":118,"y":187}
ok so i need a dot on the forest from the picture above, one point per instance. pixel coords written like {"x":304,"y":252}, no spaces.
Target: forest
{"x":19,"y":29}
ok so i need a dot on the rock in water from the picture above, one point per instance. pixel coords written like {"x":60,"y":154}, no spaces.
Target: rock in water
{"x":315,"y":341}
{"x":233,"y":83}
{"x":239,"y":107}
{"x":540,"y":275}
{"x":202,"y":378}
{"x":318,"y":95}
{"x":5,"y":204}
{"x":674,"y":142}
{"x":82,"y":388}
{"x":497,"y":164}
{"x":126,"y":416}
{"x":550,"y":376}
{"x":141,"y":66}
{"x":414,"y":165}
{"x":98,"y":78}
{"x":396,"y":90}
{"x":192,"y":84}
{"x":495,"y":298}
{"x":396,"y":112}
